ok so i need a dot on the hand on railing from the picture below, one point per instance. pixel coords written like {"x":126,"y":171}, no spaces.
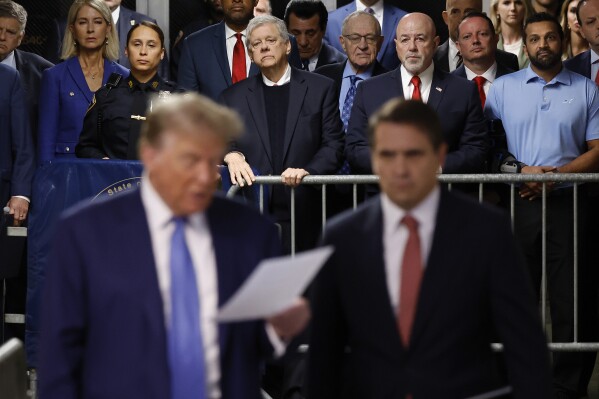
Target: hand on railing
{"x":239,"y":170}
{"x":533,"y":190}
{"x":18,"y":207}
{"x":293,"y":176}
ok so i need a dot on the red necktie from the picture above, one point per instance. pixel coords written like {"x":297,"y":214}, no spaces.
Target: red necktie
{"x":597,"y":78}
{"x":416,"y":83}
{"x":480,"y":83}
{"x":239,"y":71}
{"x":411,"y":276}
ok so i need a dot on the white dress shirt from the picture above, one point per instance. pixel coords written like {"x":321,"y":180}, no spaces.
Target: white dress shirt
{"x":115,"y":16}
{"x":395,"y":237}
{"x":10,"y":60}
{"x":378,"y":8}
{"x":231,"y":39}
{"x":453,"y":55}
{"x":489,"y":75}
{"x":199,"y":242}
{"x":286,"y":78}
{"x":426,"y":81}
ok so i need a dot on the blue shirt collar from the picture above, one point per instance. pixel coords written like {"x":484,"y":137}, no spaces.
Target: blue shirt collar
{"x":562,"y":77}
{"x":348,"y":71}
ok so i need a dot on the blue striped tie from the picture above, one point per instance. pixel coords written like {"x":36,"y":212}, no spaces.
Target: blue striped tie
{"x":345,"y":114}
{"x":185,"y":346}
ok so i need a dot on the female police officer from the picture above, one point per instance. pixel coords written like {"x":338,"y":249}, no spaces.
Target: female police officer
{"x":113,"y":120}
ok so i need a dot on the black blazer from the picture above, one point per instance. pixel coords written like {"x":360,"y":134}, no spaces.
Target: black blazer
{"x":455,"y":100}
{"x":474,"y":288}
{"x":580,"y":64}
{"x":441,"y":58}
{"x":329,"y":55}
{"x":30,"y":67}
{"x":335,"y":72}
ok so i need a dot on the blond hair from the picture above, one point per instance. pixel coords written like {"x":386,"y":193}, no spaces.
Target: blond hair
{"x":70,"y":48}
{"x":528,"y":11}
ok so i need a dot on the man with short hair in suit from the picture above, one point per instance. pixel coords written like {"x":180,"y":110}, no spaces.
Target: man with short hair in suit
{"x":292,"y":129}
{"x":13,"y":20}
{"x":361,"y":40}
{"x":464,"y":127}
{"x":447,"y":56}
{"x":587,"y":62}
{"x":422,"y":281}
{"x":388,"y":17}
{"x":307,"y":21}
{"x":143,"y":324}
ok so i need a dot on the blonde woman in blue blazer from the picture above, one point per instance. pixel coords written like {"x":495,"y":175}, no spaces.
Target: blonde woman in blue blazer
{"x":89,"y":50}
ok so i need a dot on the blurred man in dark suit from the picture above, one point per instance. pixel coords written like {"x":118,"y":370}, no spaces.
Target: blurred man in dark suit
{"x":307,"y":21}
{"x":421,"y":282}
{"x":586,"y":63}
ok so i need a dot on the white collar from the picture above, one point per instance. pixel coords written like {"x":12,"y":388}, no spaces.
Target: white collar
{"x":286,"y":78}
{"x":231,"y":33}
{"x":594,"y":56}
{"x":489,"y":73}
{"x":425,"y":77}
{"x":453,"y":49}
{"x":376,"y":7}
{"x":425,"y":212}
{"x":115,"y":14}
{"x":10,"y":60}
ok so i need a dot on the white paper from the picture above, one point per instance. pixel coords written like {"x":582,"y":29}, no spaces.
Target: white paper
{"x":274,"y":286}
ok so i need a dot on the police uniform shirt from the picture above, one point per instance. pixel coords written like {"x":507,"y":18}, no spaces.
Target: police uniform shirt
{"x":113,"y":121}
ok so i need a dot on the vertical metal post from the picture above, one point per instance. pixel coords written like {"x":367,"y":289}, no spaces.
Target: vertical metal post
{"x":512,"y":203}
{"x":262,"y":198}
{"x":480,"y":192}
{"x":324,"y":206}
{"x":355,"y":194}
{"x":544,"y":256}
{"x":292,"y":221}
{"x":575,"y":195}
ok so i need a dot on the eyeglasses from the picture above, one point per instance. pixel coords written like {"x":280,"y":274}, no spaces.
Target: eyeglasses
{"x":270,"y":41}
{"x":355,"y":38}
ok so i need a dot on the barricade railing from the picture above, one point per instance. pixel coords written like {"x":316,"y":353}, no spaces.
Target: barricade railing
{"x":513,"y":180}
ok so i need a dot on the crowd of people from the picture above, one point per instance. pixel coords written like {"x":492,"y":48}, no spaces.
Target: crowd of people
{"x":314,"y":93}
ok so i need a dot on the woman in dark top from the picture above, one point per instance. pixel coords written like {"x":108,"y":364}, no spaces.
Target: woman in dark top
{"x":113,"y":121}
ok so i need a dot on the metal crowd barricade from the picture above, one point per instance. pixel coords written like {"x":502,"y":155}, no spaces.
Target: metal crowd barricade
{"x":481,"y":179}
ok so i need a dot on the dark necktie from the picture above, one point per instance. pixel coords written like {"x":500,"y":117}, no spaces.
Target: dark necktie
{"x":306,"y":65}
{"x":480,"y":84}
{"x":416,"y":95}
{"x":369,"y":10}
{"x":460,"y":60}
{"x":239,"y":67}
{"x":411,"y":276}
{"x":185,"y":346}
{"x":346,"y":113}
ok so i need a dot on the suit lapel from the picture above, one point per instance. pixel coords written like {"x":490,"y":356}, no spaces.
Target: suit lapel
{"x":389,"y":26}
{"x":219,"y":45}
{"x":399,"y":87}
{"x":434,"y":275}
{"x":225,"y":267}
{"x":297,"y":92}
{"x":437,"y":89}
{"x":586,"y":64}
{"x":77,"y":75}
{"x":255,"y":101}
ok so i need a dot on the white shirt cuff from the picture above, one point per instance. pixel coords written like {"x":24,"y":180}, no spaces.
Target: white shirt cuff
{"x":277,"y":343}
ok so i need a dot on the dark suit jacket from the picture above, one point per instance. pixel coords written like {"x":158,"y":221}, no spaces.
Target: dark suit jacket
{"x":103,"y":331}
{"x":64,"y":99}
{"x":329,"y":55}
{"x":391,"y":16}
{"x":30,"y":67}
{"x":335,"y":72}
{"x":17,"y":155}
{"x":581,"y":64}
{"x":474,"y":289}
{"x":503,"y":58}
{"x":204,"y":66}
{"x":313,"y":138}
{"x":455,"y":100}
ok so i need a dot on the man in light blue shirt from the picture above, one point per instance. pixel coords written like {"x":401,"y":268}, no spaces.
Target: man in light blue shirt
{"x":551,"y":121}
